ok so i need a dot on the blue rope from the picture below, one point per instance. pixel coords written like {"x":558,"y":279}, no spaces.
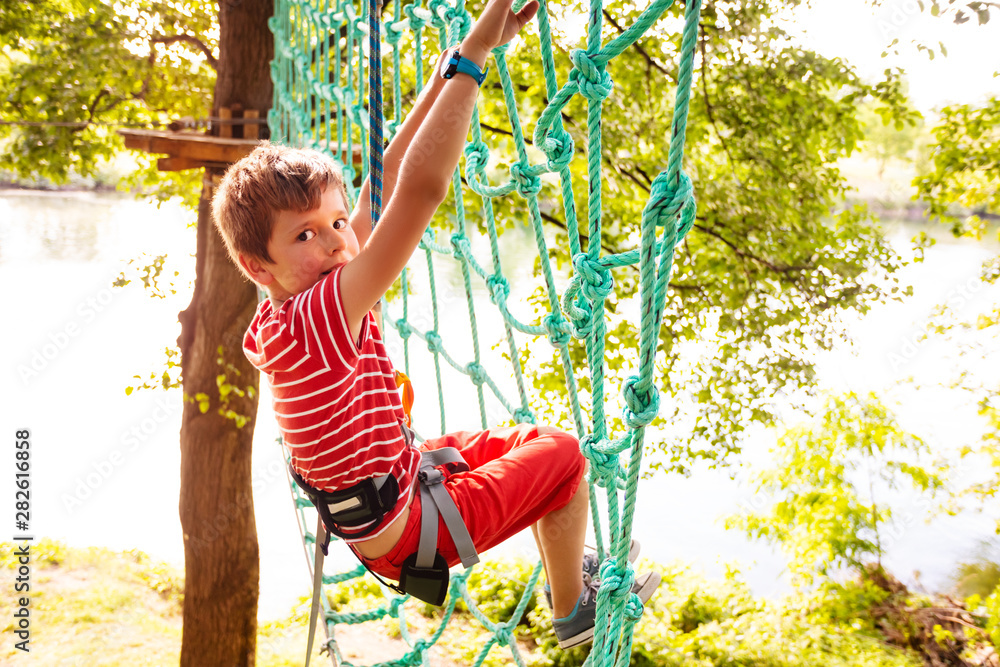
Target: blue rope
{"x":375,"y":117}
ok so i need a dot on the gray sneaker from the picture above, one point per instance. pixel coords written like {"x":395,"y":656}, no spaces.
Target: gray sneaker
{"x":577,"y":629}
{"x":592,"y":567}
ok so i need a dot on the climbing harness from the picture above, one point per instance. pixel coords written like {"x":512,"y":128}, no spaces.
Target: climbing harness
{"x":425,"y":573}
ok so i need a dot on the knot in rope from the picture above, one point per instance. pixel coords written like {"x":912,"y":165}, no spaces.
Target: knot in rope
{"x":393,"y":34}
{"x":433,"y":341}
{"x":640,"y":409}
{"x":524,"y":416}
{"x":633,"y":608}
{"x":594,"y":81}
{"x":403,"y":328}
{"x":461,"y":22}
{"x":527,"y":185}
{"x":477,"y":155}
{"x":499,"y":289}
{"x":580,"y":315}
{"x":503,"y":634}
{"x":416,"y":656}
{"x":555,"y":326}
{"x":597,"y":280}
{"x":476,"y":372}
{"x":603,"y":464}
{"x":395,"y":604}
{"x":666,"y":200}
{"x":417,"y":22}
{"x":460,"y":247}
{"x":615,"y":580}
{"x":558,"y":148}
{"x":441,"y":12}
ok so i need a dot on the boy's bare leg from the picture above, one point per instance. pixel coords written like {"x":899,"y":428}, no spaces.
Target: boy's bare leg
{"x":560,"y":537}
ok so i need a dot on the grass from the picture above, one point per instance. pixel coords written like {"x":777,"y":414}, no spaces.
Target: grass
{"x":100,"y":608}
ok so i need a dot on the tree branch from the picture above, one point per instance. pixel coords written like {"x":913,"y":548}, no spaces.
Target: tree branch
{"x":746,"y":255}
{"x":635,"y":45}
{"x":191,"y":40}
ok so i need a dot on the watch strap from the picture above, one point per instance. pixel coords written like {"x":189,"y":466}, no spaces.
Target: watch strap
{"x":458,"y":64}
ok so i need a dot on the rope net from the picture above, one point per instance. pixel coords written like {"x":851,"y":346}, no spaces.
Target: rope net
{"x":320,"y":102}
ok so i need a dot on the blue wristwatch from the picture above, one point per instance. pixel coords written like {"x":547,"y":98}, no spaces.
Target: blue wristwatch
{"x":456,"y":63}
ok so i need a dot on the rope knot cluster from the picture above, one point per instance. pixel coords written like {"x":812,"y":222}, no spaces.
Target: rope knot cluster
{"x":417,"y":22}
{"x":558,"y":148}
{"x":640,"y":408}
{"x":617,"y":582}
{"x":633,"y":609}
{"x":667,"y":200}
{"x":476,"y":373}
{"x":558,"y":333}
{"x":477,"y":155}
{"x":597,"y":279}
{"x":433,"y":342}
{"x":527,"y":184}
{"x":393,"y":34}
{"x":441,"y":13}
{"x":403,"y":328}
{"x":503,"y":634}
{"x":460,"y":246}
{"x":594,"y":81}
{"x":524,"y":415}
{"x":499,"y":289}
{"x":460,"y":23}
{"x":604,"y":466}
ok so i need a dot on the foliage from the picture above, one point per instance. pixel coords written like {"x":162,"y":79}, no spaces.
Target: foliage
{"x":992,"y":608}
{"x":965,"y":172}
{"x":888,"y":138}
{"x":75,"y":70}
{"x":497,"y":587}
{"x":825,"y":514}
{"x":980,"y":575}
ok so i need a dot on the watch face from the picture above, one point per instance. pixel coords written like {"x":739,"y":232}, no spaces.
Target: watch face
{"x":445,"y":63}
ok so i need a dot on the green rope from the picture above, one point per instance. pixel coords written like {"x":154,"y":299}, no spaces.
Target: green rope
{"x":318,"y":72}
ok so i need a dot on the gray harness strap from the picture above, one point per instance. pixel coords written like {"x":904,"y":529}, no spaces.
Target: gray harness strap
{"x":317,"y":588}
{"x":435,"y":500}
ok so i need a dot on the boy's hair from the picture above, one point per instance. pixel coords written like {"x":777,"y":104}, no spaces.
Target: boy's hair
{"x":256,"y":189}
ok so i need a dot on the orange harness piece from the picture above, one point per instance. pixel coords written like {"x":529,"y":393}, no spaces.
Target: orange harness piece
{"x":406,"y":393}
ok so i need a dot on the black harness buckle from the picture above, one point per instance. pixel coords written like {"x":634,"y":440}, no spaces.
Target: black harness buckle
{"x":362,"y":503}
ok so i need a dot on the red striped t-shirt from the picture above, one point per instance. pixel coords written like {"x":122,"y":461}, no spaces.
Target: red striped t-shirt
{"x":335,"y":400}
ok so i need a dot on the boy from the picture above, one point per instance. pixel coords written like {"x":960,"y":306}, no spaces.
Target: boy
{"x":284,"y":218}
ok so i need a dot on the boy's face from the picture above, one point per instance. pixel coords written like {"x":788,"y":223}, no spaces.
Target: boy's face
{"x":305,"y":247}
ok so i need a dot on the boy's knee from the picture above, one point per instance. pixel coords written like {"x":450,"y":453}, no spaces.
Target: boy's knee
{"x":567,"y":447}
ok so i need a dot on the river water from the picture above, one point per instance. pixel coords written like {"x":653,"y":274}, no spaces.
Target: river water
{"x":105,"y":465}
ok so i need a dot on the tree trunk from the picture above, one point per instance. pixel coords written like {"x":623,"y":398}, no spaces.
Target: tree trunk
{"x":216,"y":503}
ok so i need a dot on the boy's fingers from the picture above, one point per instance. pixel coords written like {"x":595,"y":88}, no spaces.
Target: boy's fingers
{"x":528,"y":12}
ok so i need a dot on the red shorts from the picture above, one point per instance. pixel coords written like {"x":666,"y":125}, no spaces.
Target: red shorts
{"x":517,"y":475}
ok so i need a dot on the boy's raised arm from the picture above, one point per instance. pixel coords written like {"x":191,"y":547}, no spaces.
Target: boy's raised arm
{"x":361,"y":216}
{"x":426,"y":169}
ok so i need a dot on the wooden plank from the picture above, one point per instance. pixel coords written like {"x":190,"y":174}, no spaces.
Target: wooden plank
{"x":225,"y":129}
{"x":251,"y":130}
{"x":182,"y":163}
{"x":194,"y":146}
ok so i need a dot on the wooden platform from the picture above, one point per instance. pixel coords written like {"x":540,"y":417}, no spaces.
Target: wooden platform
{"x":188,"y":150}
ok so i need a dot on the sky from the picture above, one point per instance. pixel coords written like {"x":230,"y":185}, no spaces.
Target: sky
{"x":853,"y":30}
